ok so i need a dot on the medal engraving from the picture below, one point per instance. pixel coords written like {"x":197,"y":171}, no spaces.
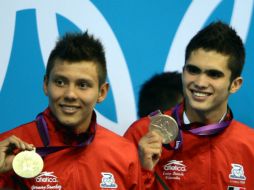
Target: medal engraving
{"x":27,"y":164}
{"x":165,"y":126}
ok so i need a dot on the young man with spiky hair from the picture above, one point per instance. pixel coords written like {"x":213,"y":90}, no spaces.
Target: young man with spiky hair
{"x":77,"y":152}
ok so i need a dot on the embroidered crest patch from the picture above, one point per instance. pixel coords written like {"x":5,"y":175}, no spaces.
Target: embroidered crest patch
{"x":108,"y":181}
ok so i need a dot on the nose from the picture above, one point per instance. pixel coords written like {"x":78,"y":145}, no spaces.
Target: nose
{"x":201,"y":81}
{"x":70,"y":93}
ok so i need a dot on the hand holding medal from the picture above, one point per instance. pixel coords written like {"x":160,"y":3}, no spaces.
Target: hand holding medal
{"x":8,"y":148}
{"x":164,"y":125}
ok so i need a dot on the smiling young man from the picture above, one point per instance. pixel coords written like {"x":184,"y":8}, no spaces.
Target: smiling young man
{"x":78,"y":153}
{"x":212,"y":150}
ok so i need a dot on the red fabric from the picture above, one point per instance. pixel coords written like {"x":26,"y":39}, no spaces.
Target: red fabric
{"x":147,"y":178}
{"x":203,"y":162}
{"x":80,"y":168}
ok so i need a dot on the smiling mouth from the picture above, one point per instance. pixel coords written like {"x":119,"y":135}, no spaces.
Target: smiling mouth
{"x":69,"y":108}
{"x":200,"y":94}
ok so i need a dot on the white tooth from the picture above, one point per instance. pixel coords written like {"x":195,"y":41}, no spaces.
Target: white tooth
{"x":199,"y":94}
{"x":69,"y":108}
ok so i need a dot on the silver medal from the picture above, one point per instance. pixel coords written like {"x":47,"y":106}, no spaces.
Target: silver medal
{"x":27,"y":164}
{"x":165,"y":126}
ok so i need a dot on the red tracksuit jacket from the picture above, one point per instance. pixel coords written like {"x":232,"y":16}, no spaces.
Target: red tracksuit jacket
{"x":218,"y":162}
{"x":108,"y":162}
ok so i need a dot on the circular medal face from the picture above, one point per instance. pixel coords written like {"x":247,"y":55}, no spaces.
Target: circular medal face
{"x":166,"y":126}
{"x":27,"y":164}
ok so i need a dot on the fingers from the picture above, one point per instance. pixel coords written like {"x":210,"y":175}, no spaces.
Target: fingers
{"x":7,"y":148}
{"x":13,"y":142}
{"x":5,"y":162}
{"x":151,"y":142}
{"x":150,"y":148}
{"x":153,"y":137}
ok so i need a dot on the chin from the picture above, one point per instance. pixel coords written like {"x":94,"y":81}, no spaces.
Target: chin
{"x":66,"y":122}
{"x":69,"y":124}
{"x":199,"y":106}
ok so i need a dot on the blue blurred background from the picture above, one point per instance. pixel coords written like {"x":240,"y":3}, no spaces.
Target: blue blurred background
{"x":141,"y":38}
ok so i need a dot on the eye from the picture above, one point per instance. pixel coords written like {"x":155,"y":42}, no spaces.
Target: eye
{"x":59,"y":82}
{"x":215,"y":74}
{"x":83,"y":85}
{"x":191,"y":69}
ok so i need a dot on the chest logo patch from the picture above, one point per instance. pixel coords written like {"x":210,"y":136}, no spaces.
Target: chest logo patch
{"x":174,"y":170}
{"x":108,"y":181}
{"x":46,"y":180}
{"x":237,"y":172}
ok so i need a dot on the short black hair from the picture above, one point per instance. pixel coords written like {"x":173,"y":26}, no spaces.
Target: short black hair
{"x":162,"y":91}
{"x":222,"y":38}
{"x":77,"y":47}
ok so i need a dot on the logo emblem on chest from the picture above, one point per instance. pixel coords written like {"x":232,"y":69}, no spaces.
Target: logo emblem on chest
{"x":174,"y":169}
{"x":108,"y":180}
{"x":237,"y":172}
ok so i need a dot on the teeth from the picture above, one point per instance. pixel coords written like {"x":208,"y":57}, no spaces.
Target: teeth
{"x":200,"y":94}
{"x":68,"y":108}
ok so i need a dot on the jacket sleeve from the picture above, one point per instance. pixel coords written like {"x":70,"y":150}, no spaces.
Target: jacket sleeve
{"x":139,"y":179}
{"x":147,"y":178}
{"x":137,"y":130}
{"x":134,"y":134}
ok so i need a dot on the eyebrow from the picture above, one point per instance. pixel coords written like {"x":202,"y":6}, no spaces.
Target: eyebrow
{"x":60,"y":76}
{"x":205,"y":71}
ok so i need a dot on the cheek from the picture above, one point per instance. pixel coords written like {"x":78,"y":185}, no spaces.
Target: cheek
{"x":221,"y":92}
{"x":222,"y":86}
{"x":186,"y":79}
{"x":53,"y":93}
{"x":89,"y":98}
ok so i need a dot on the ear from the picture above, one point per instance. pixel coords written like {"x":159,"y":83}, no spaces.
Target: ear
{"x":45,"y":85}
{"x":103,"y":91}
{"x":236,"y":85}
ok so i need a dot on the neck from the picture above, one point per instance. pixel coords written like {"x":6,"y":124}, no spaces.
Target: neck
{"x":205,"y":116}
{"x":81,"y":129}
{"x":74,"y":130}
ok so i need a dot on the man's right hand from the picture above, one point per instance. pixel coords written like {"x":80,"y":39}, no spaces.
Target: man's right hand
{"x":150,"y":148}
{"x":7,"y":151}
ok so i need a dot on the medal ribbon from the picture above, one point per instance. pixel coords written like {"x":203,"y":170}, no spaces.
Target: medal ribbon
{"x":44,"y":134}
{"x":204,"y":130}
